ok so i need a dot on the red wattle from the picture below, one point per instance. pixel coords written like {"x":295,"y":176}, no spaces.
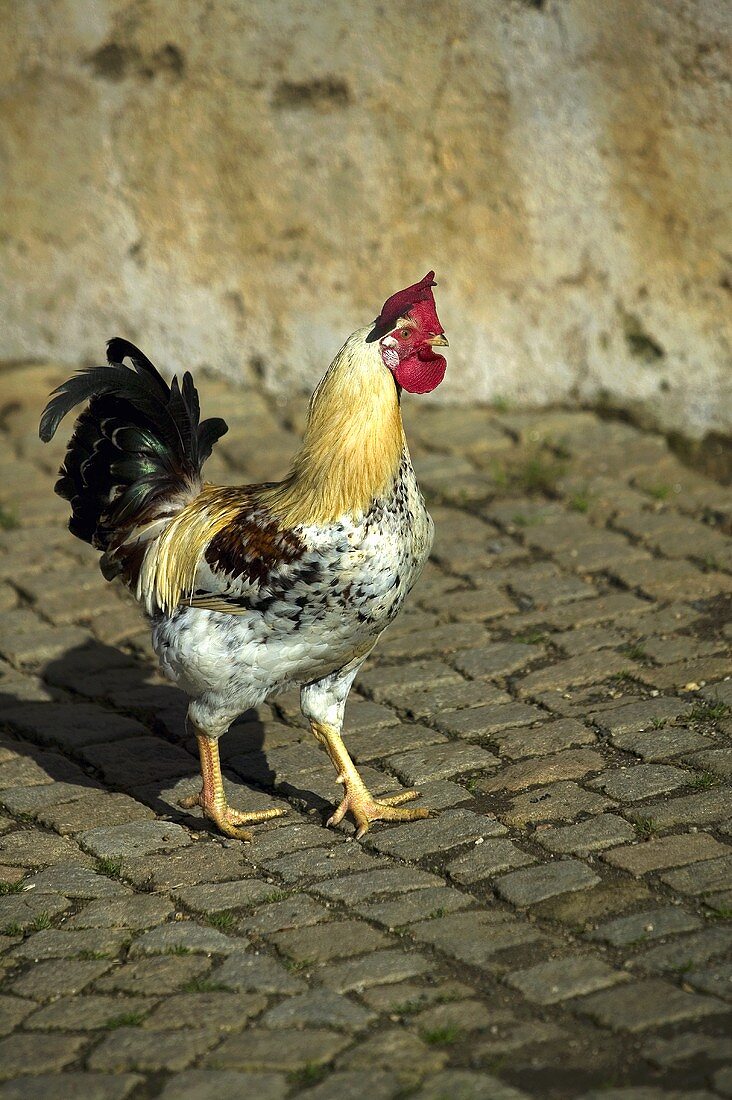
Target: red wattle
{"x":421,"y":375}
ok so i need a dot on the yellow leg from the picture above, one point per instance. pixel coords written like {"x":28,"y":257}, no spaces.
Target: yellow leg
{"x":358,"y":799}
{"x":212,"y":798}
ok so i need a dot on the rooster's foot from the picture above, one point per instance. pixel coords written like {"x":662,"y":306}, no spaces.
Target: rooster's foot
{"x":228,"y":820}
{"x":365,"y":808}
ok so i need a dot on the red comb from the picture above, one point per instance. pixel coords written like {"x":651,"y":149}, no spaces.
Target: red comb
{"x":400,"y":304}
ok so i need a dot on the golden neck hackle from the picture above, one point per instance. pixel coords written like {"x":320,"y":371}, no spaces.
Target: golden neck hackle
{"x":350,"y":455}
{"x":353,"y":441}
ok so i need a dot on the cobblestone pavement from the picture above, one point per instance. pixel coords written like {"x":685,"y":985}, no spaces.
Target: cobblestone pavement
{"x":559,"y":689}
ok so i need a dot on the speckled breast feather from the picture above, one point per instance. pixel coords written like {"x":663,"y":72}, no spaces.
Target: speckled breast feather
{"x":326,"y":595}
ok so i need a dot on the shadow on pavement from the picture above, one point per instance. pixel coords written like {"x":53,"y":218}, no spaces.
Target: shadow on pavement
{"x":105,"y":713}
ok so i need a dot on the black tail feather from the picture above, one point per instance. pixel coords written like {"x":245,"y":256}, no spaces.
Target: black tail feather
{"x":137,"y":447}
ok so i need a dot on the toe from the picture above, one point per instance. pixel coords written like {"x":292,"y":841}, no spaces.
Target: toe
{"x":399,"y":797}
{"x":237,"y":834}
{"x":228,"y":821}
{"x":396,"y":813}
{"x":230,"y":828}
{"x":190,"y":801}
{"x":338,"y":814}
{"x":238,"y":817}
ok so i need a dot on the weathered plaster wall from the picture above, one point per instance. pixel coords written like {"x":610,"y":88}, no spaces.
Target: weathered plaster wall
{"x":240,"y":184}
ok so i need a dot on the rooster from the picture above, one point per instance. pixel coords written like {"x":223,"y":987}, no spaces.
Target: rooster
{"x":254,"y":588}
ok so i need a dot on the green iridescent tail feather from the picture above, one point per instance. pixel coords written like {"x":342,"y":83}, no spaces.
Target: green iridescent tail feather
{"x":137,"y":449}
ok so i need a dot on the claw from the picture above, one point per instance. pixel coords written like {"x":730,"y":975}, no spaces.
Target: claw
{"x":226,"y":819}
{"x":365,"y":809}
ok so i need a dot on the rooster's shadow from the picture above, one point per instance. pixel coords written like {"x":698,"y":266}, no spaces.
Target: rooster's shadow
{"x":72,"y":745}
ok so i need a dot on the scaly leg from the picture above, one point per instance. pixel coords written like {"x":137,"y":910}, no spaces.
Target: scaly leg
{"x":212,"y":798}
{"x":358,"y":799}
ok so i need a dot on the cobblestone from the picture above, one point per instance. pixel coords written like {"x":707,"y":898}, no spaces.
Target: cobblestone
{"x":397,"y":1051}
{"x":659,"y":744}
{"x":374,"y":744}
{"x":533,"y":884}
{"x":572,"y":736}
{"x":136,"y":839}
{"x":382,"y":1085}
{"x":375,"y":969}
{"x":438,"y":762}
{"x":29,"y":800}
{"x":129,"y":912}
{"x":54,"y":943}
{"x":137,"y":1048}
{"x":317,"y":863}
{"x":557,"y":802}
{"x":468,"y":1085}
{"x":412,"y":907}
{"x":185,"y":936}
{"x":590,"y":668}
{"x":715,"y":761}
{"x":287,"y":1050}
{"x":483,"y":861}
{"x":71,"y":726}
{"x":475,"y":938}
{"x":592,"y":835}
{"x":217,"y":1010}
{"x":495,"y":660}
{"x":24,"y":911}
{"x":670,"y":851}
{"x":645,"y":926}
{"x":336,"y":940}
{"x":88,"y":1012}
{"x":186,"y":866}
{"x":572,"y":764}
{"x":639,"y":716}
{"x":448,"y":700}
{"x":94,"y":1086}
{"x":36,"y":849}
{"x":640,"y":1005}
{"x":58,"y":977}
{"x":295,"y":912}
{"x":514,"y":1036}
{"x":480,"y":722}
{"x":558,"y":980}
{"x":318,"y":1009}
{"x":716,"y":979}
{"x":704,"y":808}
{"x":12,"y":1011}
{"x":645,"y":781}
{"x":701,"y":878}
{"x":257,"y":974}
{"x":153,"y":977}
{"x":369,"y":884}
{"x":685,"y":952}
{"x":552,"y":737}
{"x":684,"y":1046}
{"x":22,"y":1053}
{"x":109,"y":809}
{"x":439,"y":834}
{"x":201,"y":1084}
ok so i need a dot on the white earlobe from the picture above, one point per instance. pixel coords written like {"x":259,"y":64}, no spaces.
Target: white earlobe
{"x":388,"y":342}
{"x":389,"y":357}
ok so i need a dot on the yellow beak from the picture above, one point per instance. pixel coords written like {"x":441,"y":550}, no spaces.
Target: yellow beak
{"x":440,"y":341}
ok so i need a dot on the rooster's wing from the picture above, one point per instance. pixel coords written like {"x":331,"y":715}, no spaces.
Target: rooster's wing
{"x":253,"y":560}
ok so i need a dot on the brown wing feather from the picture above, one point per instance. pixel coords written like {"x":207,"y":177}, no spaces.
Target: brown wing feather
{"x":229,"y":529}
{"x":251,"y":545}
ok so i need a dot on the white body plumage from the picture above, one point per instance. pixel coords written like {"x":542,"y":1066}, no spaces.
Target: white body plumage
{"x":313,"y":623}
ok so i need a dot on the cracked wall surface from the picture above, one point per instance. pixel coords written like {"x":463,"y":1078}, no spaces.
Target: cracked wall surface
{"x":238,"y":186}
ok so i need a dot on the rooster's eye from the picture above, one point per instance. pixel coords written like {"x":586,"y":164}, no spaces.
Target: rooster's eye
{"x":404,"y":332}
